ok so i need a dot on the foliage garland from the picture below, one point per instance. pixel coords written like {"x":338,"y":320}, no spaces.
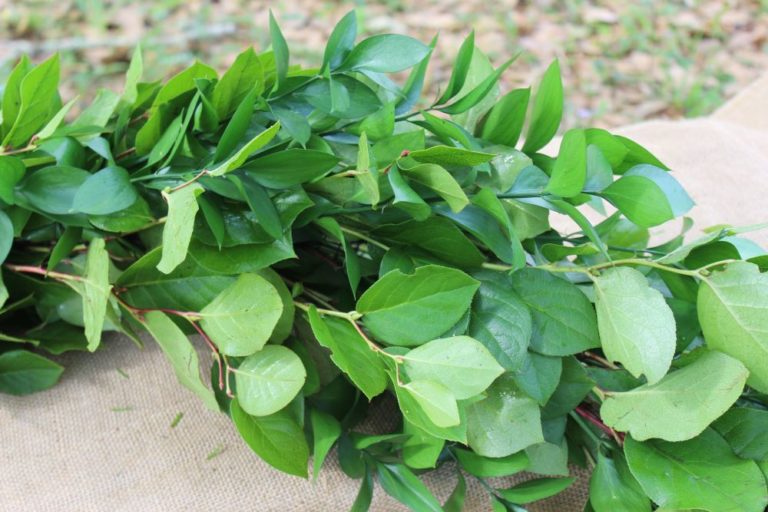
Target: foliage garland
{"x":333,"y":238}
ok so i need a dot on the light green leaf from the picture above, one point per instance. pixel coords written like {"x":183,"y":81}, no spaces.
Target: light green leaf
{"x":268,"y":380}
{"x":564,"y":320}
{"x":107,"y":191}
{"x":702,"y":473}
{"x":732,"y":306}
{"x":56,"y":120}
{"x":636,"y":326}
{"x":547,"y":110}
{"x":406,"y":198}
{"x":38,"y":102}
{"x":367,"y":175}
{"x":612,"y":487}
{"x":245,"y":75}
{"x":399,"y":482}
{"x":280,"y":50}
{"x":569,"y":174}
{"x":180,"y":353}
{"x":420,"y":450}
{"x":95,"y":291}
{"x":12,"y":92}
{"x":504,"y":122}
{"x":133,"y":76}
{"x":436,"y":400}
{"x":746,"y":430}
{"x":682,"y":404}
{"x":23,"y":372}
{"x":505,"y":422}
{"x":177,"y":232}
{"x":12,"y":170}
{"x":100,"y":110}
{"x":408,"y":310}
{"x":385,"y":53}
{"x":487,"y":467}
{"x":460,"y":69}
{"x":461,"y":364}
{"x":341,"y":41}
{"x":241,"y":318}
{"x":241,"y":155}
{"x":441,"y":182}
{"x":277,"y":439}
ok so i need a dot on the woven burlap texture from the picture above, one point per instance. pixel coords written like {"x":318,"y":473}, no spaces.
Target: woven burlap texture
{"x":102,"y":439}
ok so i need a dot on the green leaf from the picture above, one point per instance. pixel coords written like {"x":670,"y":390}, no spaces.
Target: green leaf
{"x":682,"y":404}
{"x":564,"y":320}
{"x":505,"y":422}
{"x":400,"y":309}
{"x":290,"y":167}
{"x":350,"y":353}
{"x":180,"y":353}
{"x":612,"y":487}
{"x":420,"y":450}
{"x":702,"y":473}
{"x":504,"y":122}
{"x":399,"y":482}
{"x":245,"y":75}
{"x":535,"y":490}
{"x":574,"y":385}
{"x":340,"y":42}
{"x":406,"y":198}
{"x":479,"y":93}
{"x":260,"y":203}
{"x":599,"y":172}
{"x":455,"y":502}
{"x":11,"y":172}
{"x":385,"y":53}
{"x":236,"y":128}
{"x":731,"y":306}
{"x":95,"y":291}
{"x":460,"y":69}
{"x":99,"y":112}
{"x":487,"y":467}
{"x":351,"y":260}
{"x":38,"y":98}
{"x":133,"y":76}
{"x":268,"y":380}
{"x":280,"y":50}
{"x":177,"y":232}
{"x":325,"y":431}
{"x":214,"y":218}
{"x":12,"y":93}
{"x":242,"y":318}
{"x":241,"y":155}
{"x":50,"y":127}
{"x":447,"y":155}
{"x":6,"y":236}
{"x":485,"y":228}
{"x":53,"y":189}
{"x":746,"y":430}
{"x":364,"y":496}
{"x":69,"y":239}
{"x":435,"y":400}
{"x":461,"y":364}
{"x":441,"y":182}
{"x":500,"y":321}
{"x":636,"y":326}
{"x":547,"y":110}
{"x":107,"y":191}
{"x":538,"y":376}
{"x":22,"y":372}
{"x":367,"y":174}
{"x":277,"y":439}
{"x":569,"y":173}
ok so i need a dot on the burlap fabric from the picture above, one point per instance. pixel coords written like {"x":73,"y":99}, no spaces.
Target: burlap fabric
{"x":102,"y":439}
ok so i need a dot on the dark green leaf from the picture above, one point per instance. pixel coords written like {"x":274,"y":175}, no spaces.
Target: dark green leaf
{"x":385,"y":53}
{"x":22,"y":372}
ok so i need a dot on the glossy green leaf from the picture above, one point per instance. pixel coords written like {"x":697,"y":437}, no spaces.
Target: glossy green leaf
{"x":11,"y":172}
{"x":682,"y":404}
{"x":11,"y":102}
{"x":400,"y":308}
{"x":37,"y":102}
{"x":290,"y":167}
{"x":241,"y":155}
{"x":547,"y":110}
{"x":399,"y":482}
{"x":486,"y":467}
{"x":612,"y":487}
{"x":23,"y":372}
{"x":440,"y":181}
{"x":460,"y":69}
{"x":504,"y":122}
{"x":636,"y":326}
{"x":107,"y":191}
{"x":341,"y":41}
{"x":385,"y":53}
{"x":436,"y":401}
{"x":406,"y":198}
{"x":245,"y":75}
{"x":420,"y":450}
{"x":53,"y":189}
{"x":180,"y":353}
{"x":242,"y":318}
{"x":731,"y":306}
{"x":746,"y":430}
{"x":6,"y":235}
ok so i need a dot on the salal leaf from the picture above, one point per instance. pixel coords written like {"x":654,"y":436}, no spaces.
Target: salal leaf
{"x":53,"y":189}
{"x":435,"y":400}
{"x":682,"y":404}
{"x":325,"y":431}
{"x":636,"y":326}
{"x":385,"y":53}
{"x":406,"y":198}
{"x":487,"y":467}
{"x":500,"y":320}
{"x":731,"y":306}
{"x":341,"y":41}
{"x":350,"y":352}
{"x":535,"y":490}
{"x":95,"y":291}
{"x":648,"y":196}
{"x":569,"y":174}
{"x":564,"y":320}
{"x":399,"y":482}
{"x":746,"y":430}
{"x":612,"y":487}
{"x":276,"y":438}
{"x":268,"y":380}
{"x":410,"y":309}
{"x":504,"y":122}
{"x":245,"y":75}
{"x":547,"y":110}
{"x":241,"y":318}
{"x":177,"y":232}
{"x":180,"y":353}
{"x":701,"y":473}
{"x":242,"y":154}
{"x":538,"y":376}
{"x":107,"y":191}
{"x":505,"y":422}
{"x":437,"y":179}
{"x":574,"y":385}
{"x":461,"y":364}
{"x":447,"y":155}
{"x":23,"y":372}
{"x":37,"y":101}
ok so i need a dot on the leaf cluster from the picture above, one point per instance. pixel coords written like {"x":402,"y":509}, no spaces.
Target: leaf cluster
{"x":340,"y":243}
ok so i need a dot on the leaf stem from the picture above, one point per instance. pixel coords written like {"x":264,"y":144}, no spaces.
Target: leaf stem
{"x":29,"y":269}
{"x":199,"y":175}
{"x":362,"y":236}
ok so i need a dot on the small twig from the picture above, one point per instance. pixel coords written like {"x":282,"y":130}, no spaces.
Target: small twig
{"x":199,"y":175}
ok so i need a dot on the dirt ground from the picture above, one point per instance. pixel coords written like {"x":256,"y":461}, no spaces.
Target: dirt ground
{"x":622,"y":61}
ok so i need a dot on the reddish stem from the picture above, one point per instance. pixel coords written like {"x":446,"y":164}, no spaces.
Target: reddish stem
{"x":587,"y":415}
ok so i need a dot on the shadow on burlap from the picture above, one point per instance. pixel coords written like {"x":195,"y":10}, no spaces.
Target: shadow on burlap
{"x":103,"y":441}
